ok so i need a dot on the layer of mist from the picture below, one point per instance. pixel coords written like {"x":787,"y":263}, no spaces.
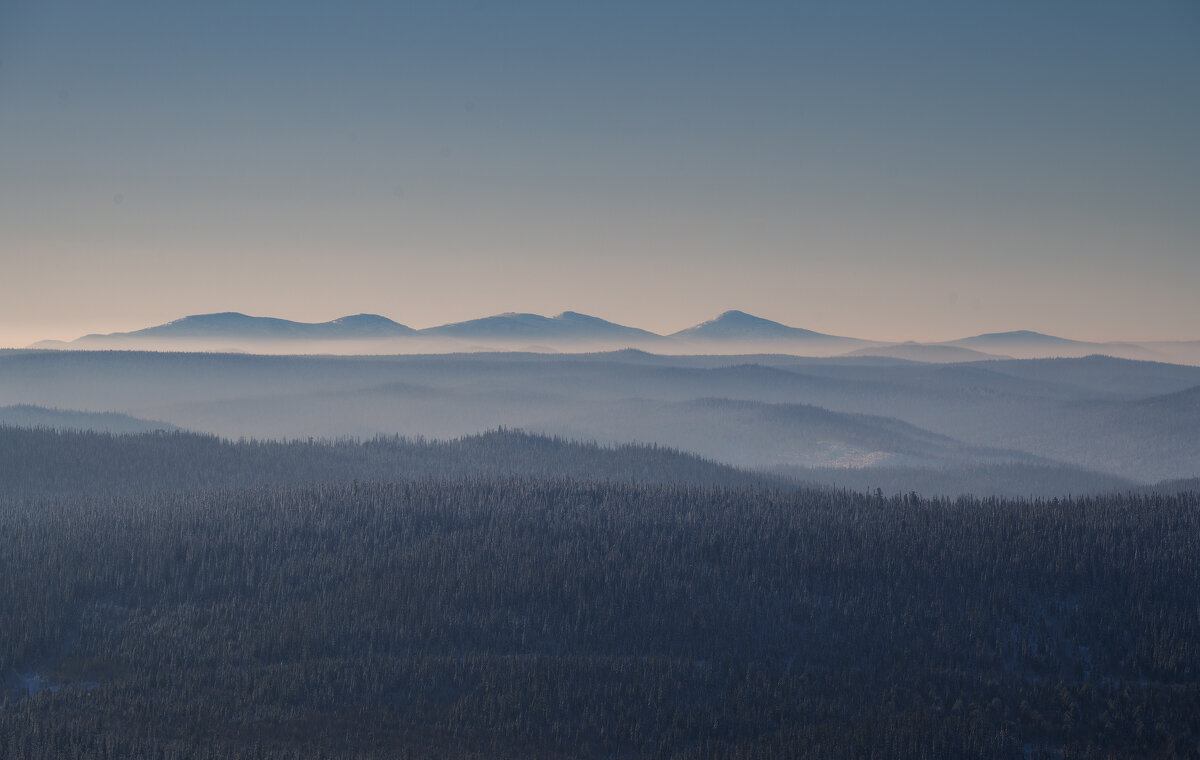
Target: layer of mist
{"x":1013,"y":426}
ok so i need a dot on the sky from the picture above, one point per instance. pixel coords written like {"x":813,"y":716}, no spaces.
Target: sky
{"x":892,"y":171}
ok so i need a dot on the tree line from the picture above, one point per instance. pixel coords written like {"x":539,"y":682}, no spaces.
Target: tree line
{"x":487,"y":616}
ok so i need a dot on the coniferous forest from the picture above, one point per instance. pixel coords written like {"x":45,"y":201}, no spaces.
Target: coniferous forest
{"x":515,"y":596}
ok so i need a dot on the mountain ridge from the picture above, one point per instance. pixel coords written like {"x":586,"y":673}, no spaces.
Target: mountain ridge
{"x":568,"y":324}
{"x":235,"y":324}
{"x":732,"y":331}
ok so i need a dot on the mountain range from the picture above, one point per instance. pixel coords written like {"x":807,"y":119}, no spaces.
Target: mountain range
{"x":733,"y":332}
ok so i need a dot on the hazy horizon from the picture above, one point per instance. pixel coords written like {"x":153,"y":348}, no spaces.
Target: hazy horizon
{"x":868,"y":338}
{"x":893,"y":172}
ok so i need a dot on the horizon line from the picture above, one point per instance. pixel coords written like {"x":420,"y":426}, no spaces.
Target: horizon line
{"x":674,"y":333}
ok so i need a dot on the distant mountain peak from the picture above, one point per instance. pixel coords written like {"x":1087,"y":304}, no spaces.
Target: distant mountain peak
{"x":738,"y":325}
{"x":1016,"y":336}
{"x":1029,"y":334}
{"x":738,"y":317}
{"x":576,"y":316}
{"x":363,"y":318}
{"x":219,"y":316}
{"x":568,"y":325}
{"x":365,"y":325}
{"x":738,"y":314}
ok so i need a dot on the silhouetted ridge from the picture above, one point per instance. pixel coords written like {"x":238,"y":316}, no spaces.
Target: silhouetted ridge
{"x":568,"y":325}
{"x":234,"y":325}
{"x":731,"y":332}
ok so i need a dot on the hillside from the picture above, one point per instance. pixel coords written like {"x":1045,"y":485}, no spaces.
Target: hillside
{"x":44,"y":462}
{"x":550,"y":618}
{"x":22,"y":415}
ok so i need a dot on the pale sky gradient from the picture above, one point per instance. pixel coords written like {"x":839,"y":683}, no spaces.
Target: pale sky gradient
{"x":917,"y":170}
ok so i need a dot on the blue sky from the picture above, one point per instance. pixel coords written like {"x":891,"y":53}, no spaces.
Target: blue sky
{"x":889,"y":170}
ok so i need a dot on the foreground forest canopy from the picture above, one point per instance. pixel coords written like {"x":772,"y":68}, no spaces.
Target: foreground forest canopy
{"x":386,"y":609}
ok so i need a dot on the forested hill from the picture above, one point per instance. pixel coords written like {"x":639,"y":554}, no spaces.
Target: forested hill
{"x":25,"y":415}
{"x":45,"y":462}
{"x":526,"y":618}
{"x":173,"y":595}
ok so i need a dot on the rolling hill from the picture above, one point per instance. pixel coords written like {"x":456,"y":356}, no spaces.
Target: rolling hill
{"x":739,"y":326}
{"x":28,"y":416}
{"x":237,"y":328}
{"x":567,"y":326}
